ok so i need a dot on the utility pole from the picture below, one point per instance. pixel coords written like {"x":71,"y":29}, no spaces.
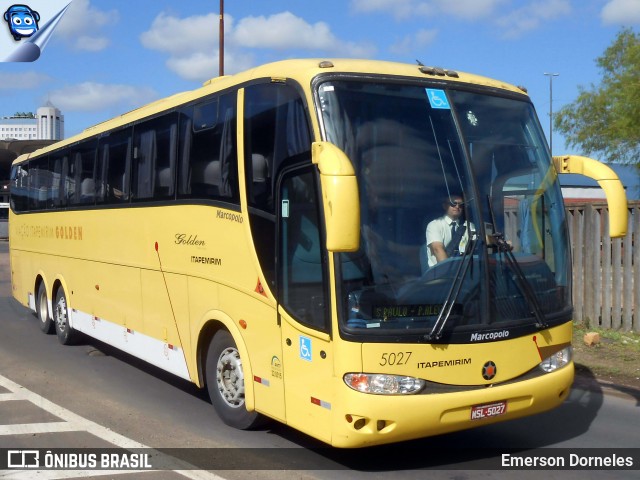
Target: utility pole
{"x":221,"y":41}
{"x":551,"y":75}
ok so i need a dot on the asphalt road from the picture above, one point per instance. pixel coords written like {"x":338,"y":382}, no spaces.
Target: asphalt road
{"x":89,"y":395}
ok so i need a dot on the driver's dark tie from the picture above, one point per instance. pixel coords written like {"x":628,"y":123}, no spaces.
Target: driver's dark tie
{"x":454,"y":227}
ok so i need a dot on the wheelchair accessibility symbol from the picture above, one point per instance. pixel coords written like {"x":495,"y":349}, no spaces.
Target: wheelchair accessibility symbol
{"x":438,"y":99}
{"x":305,"y":348}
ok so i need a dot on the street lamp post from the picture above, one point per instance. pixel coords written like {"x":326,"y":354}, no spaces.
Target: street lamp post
{"x":221,"y":41}
{"x":551,"y":75}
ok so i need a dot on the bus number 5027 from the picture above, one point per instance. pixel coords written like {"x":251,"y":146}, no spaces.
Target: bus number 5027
{"x":400,"y":358}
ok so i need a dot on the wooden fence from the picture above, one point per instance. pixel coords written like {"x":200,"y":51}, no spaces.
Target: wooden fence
{"x":606,"y":272}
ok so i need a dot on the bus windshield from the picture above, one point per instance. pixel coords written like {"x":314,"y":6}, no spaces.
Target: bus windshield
{"x":459,"y":169}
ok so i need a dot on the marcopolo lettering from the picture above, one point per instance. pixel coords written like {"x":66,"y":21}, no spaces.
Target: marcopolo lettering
{"x":233,"y":217}
{"x":482,"y":337}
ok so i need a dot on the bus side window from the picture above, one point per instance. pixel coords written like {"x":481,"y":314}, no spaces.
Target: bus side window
{"x":276,"y":130}
{"x":154,"y":158}
{"x":115,"y":154}
{"x":207,"y":150}
{"x":40,"y":181}
{"x":60,"y":163}
{"x":19,"y":187}
{"x":301,"y":284}
{"x":80,"y":186}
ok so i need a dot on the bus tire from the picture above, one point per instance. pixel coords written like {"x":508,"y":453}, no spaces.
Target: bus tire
{"x":66,"y":335}
{"x":42,"y":310}
{"x":225,"y":383}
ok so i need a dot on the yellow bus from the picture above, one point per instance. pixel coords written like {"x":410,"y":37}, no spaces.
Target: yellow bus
{"x":264,"y":236}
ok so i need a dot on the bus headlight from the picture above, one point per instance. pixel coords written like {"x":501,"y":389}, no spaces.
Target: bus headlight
{"x":382,"y":384}
{"x":557,"y":360}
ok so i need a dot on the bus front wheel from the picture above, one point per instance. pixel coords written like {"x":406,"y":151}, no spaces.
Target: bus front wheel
{"x":46,"y":324}
{"x":225,"y":383}
{"x":66,"y":335}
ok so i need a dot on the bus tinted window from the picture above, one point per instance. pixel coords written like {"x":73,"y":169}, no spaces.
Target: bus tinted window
{"x":19,"y":187}
{"x":301,"y":268}
{"x":154,"y":158}
{"x":39,"y":183}
{"x":115,"y":159}
{"x":207,"y":150}
{"x":276,"y":129}
{"x":79,"y":183}
{"x":59,"y":163}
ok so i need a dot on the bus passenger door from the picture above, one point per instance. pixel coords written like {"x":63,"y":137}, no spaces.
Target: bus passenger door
{"x":304,"y":309}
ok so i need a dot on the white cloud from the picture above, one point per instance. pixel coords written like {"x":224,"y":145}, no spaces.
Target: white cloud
{"x":92,"y":96}
{"x":531,"y":16}
{"x":91,"y":44}
{"x":400,"y":9}
{"x":196,"y":66}
{"x":404,"y":9}
{"x":192,"y":42}
{"x":468,"y":9}
{"x":82,"y":26}
{"x":199,"y":66}
{"x":410,"y":43}
{"x":514,"y":18}
{"x":284,"y":31}
{"x":181,"y":36}
{"x":621,"y":12}
{"x":22,"y":81}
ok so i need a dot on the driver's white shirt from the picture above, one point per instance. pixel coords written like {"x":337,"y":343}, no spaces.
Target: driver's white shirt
{"x":439,"y":230}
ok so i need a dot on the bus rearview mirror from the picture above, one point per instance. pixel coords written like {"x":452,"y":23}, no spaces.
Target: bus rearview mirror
{"x":340,"y":197}
{"x":608,"y":181}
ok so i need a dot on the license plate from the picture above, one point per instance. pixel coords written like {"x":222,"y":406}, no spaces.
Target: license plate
{"x":479,"y":412}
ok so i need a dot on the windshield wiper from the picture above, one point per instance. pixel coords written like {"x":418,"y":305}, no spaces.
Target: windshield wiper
{"x":520,"y":278}
{"x":454,"y":291}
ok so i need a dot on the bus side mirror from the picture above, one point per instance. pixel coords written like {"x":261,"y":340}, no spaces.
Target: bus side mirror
{"x":339,"y":196}
{"x":608,"y":181}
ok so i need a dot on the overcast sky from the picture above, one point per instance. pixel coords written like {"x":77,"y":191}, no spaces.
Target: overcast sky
{"x":109,"y":56}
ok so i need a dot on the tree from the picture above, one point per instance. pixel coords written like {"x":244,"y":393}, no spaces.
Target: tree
{"x":604,"y":121}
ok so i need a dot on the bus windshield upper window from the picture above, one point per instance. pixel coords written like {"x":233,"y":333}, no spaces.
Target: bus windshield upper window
{"x":414,"y":169}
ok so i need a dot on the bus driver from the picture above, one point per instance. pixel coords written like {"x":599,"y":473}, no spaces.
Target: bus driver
{"x":448,"y":235}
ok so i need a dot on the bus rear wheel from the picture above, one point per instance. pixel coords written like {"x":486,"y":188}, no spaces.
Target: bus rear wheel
{"x":66,"y":335}
{"x":225,"y":383}
{"x":42,"y":307}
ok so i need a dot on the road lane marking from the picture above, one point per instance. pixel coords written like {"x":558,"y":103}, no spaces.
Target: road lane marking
{"x":32,"y":428}
{"x":74,"y":422}
{"x":60,"y":474}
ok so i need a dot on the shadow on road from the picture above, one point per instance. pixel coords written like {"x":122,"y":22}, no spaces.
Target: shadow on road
{"x":467,"y":449}
{"x":477,"y":448}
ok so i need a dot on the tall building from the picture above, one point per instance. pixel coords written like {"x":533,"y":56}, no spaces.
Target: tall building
{"x":50,"y":123}
{"x":46,"y":124}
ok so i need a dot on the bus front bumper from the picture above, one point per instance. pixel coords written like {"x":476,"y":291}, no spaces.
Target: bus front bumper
{"x":367,"y":420}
